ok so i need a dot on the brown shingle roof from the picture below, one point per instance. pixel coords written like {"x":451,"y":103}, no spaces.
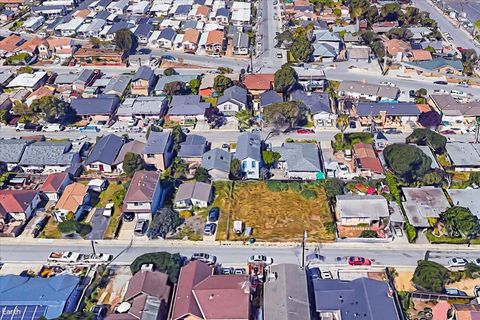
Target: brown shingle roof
{"x":421,"y":55}
{"x":184,"y":302}
{"x":72,"y":197}
{"x":30,"y":45}
{"x":203,"y":10}
{"x":395,"y":46}
{"x":261,"y":81}
{"x":368,"y":159}
{"x":10,"y":43}
{"x":148,"y":283}
{"x":142,"y":186}
{"x":215,"y":37}
{"x":15,"y":200}
{"x":191,"y":35}
{"x":54,"y":182}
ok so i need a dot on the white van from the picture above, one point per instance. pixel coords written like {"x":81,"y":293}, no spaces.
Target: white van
{"x":53,"y":127}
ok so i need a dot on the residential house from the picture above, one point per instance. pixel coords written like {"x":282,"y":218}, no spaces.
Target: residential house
{"x":196,"y":194}
{"x":69,"y":28}
{"x":118,"y":85}
{"x":20,"y":294}
{"x":49,"y":156}
{"x":158,"y":151}
{"x":359,"y":54}
{"x":463,"y":156}
{"x":299,"y":161}
{"x":217,"y":162}
{"x":364,"y":297}
{"x":76,"y":81}
{"x":397,"y":49}
{"x":143,"y":81}
{"x":144,"y":195}
{"x":195,"y":288}
{"x":355,"y":209}
{"x":467,"y":198}
{"x":100,"y":108}
{"x":55,"y":184}
{"x":433,"y":68}
{"x":285,"y":296}
{"x":145,"y":108}
{"x":384,"y":26}
{"x":30,"y":81}
{"x":365,"y":91}
{"x":117,"y":7}
{"x":33,"y":23}
{"x":187,"y":109}
{"x":30,"y":46}
{"x":269,"y":97}
{"x":206,"y":88}
{"x":16,"y":209}
{"x":181,"y":12}
{"x":424,"y":204}
{"x":319,"y":106}
{"x":190,"y":40}
{"x":215,"y":43}
{"x":241,"y":43}
{"x":60,"y":48}
{"x":460,"y":311}
{"x":222,"y":16}
{"x":142,"y":32}
{"x":454,"y":113}
{"x":132,"y":146}
{"x":104,"y":153}
{"x":9,"y":44}
{"x":75,"y":198}
{"x":249,"y":153}
{"x":192,"y":149}
{"x":99,"y":57}
{"x":420,"y":55}
{"x":138,"y":60}
{"x":366,"y":160}
{"x":241,"y":13}
{"x":386,"y":115}
{"x":166,"y":38}
{"x":233,"y":100}
{"x":163,"y":80}
{"x":327,"y":45}
{"x":258,"y":83}
{"x":148,"y":294}
{"x":11,"y":151}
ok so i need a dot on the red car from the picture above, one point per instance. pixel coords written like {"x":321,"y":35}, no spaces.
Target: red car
{"x":447,"y":132}
{"x":305,"y":131}
{"x":359,"y":261}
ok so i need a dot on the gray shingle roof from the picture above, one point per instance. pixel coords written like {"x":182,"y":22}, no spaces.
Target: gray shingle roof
{"x":217,"y":159}
{"x":105,"y":150}
{"x":118,"y":84}
{"x":437,"y":63}
{"x":194,"y":146}
{"x":248,"y":146}
{"x":269,"y":97}
{"x":168,"y":34}
{"x":392,"y":109}
{"x":361,"y":298}
{"x":360,"y":206}
{"x":11,"y":150}
{"x":163,"y":80}
{"x":316,"y":102}
{"x":102,"y":104}
{"x":300,"y":157}
{"x":195,"y":190}
{"x":157,"y":142}
{"x":48,"y":153}
{"x":234,"y":94}
{"x":143,"y":73}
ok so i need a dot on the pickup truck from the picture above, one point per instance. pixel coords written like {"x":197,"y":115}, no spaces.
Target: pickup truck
{"x":97,"y":258}
{"x":64,"y":256}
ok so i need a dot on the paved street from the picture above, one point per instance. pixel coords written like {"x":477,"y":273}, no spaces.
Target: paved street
{"x":460,"y":37}
{"x":382,"y":254}
{"x":268,"y":27}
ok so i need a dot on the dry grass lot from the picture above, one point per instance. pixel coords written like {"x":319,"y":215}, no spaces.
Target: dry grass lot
{"x":274,"y":215}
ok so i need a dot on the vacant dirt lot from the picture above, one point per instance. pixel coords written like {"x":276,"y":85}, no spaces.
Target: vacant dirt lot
{"x":274,"y":215}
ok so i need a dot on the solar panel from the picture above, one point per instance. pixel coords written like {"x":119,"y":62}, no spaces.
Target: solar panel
{"x":31,"y":312}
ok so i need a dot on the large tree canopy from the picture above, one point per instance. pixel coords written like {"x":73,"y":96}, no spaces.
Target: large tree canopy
{"x":285,"y":115}
{"x":430,"y":276}
{"x":407,"y":161}
{"x":132,"y":163}
{"x":125,"y":40}
{"x":221,"y":82}
{"x":301,"y":48}
{"x":460,"y":222}
{"x":427,"y":137}
{"x":285,"y":78}
{"x":430,"y":119}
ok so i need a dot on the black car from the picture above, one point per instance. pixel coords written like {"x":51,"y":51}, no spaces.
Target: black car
{"x":100,"y":311}
{"x":353,"y":124}
{"x":128,"y":216}
{"x":213,"y":214}
{"x":443,"y":83}
{"x":315,"y":273}
{"x":39,"y":226}
{"x":412,"y":93}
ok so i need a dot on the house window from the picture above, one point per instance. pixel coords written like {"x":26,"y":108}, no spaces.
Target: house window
{"x":150,"y":155}
{"x":254,"y":164}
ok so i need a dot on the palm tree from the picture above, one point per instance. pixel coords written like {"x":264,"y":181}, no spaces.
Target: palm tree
{"x":342,"y":123}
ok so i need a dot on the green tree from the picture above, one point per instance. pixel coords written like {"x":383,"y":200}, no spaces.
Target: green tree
{"x":333,"y":188}
{"x":342,"y":124}
{"x":285,"y":114}
{"x":25,"y":69}
{"x":221,"y":82}
{"x":476,"y":27}
{"x":337,"y":12}
{"x":162,"y":261}
{"x":427,"y":137}
{"x":270,"y":157}
{"x":368,"y":37}
{"x":202,"y":175}
{"x":243,"y":117}
{"x":474,"y":178}
{"x":24,"y":111}
{"x":152,"y":128}
{"x":460,"y":222}
{"x":118,"y":196}
{"x":178,"y":137}
{"x":432,"y":178}
{"x":430,"y":276}
{"x":285,"y":78}
{"x":174,"y":88}
{"x":125,"y":40}
{"x":169,"y":72}
{"x":235,"y":169}
{"x":368,"y":234}
{"x":301,"y":48}
{"x":469,"y":60}
{"x":391,"y":12}
{"x":407,"y":161}
{"x":132,"y":162}
{"x":49,"y":108}
{"x":68,"y":226}
{"x":194,"y":85}
{"x":5,"y":116}
{"x":224,"y":70}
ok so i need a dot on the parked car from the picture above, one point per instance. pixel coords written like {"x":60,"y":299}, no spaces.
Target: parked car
{"x":443,"y":83}
{"x":128,"y":216}
{"x":39,"y":226}
{"x":353,"y":124}
{"x":456,"y":292}
{"x":393,"y":131}
{"x":213,"y":214}
{"x":305,"y":131}
{"x":90,"y":128}
{"x":140,"y":227}
{"x":168,"y":57}
{"x":204,"y":257}
{"x":28,"y":127}
{"x":457,"y":262}
{"x":64,"y":256}
{"x":342,"y":168}
{"x":359,"y":261}
{"x":476,"y":261}
{"x":315,"y":273}
{"x":240,"y":271}
{"x":279,"y":55}
{"x":476,"y":290}
{"x":412,"y":94}
{"x":53,"y":127}
{"x":398,"y":232}
{"x":448,"y":131}
{"x":228,"y":270}
{"x":209,"y":229}
{"x":99,"y":311}
{"x":387,"y":83}
{"x":347,"y":154}
{"x":326,"y":275}
{"x":260,"y":258}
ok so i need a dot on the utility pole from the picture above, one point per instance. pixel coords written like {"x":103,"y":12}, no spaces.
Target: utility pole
{"x":477,"y":127}
{"x":93,"y":247}
{"x":304,"y":239}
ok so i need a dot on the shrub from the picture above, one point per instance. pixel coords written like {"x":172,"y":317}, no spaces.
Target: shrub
{"x":411,"y":232}
{"x":72,"y":226}
{"x":163,"y":222}
{"x":296,"y":186}
{"x":162,"y":261}
{"x":368,"y":234}
{"x":472,"y":271}
{"x":308,"y":194}
{"x":430,"y":276}
{"x":277,"y":186}
{"x":185,"y":214}
{"x":427,"y":137}
{"x":393,"y":187}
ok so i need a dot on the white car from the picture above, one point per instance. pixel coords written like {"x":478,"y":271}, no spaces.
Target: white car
{"x":326,"y":275}
{"x":457,"y":262}
{"x":476,"y":261}
{"x":342,"y":168}
{"x":53,"y":127}
{"x":387,"y":83}
{"x":204,"y":257}
{"x":260,"y":258}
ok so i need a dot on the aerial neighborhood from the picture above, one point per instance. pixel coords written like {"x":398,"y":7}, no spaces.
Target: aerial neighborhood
{"x":230,"y":160}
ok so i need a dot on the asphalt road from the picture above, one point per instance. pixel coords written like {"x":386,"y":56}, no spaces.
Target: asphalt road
{"x":267,"y":61}
{"x":460,"y":37}
{"x":235,"y":255}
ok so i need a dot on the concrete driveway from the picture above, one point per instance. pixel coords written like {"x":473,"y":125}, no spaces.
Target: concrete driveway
{"x":99,"y":223}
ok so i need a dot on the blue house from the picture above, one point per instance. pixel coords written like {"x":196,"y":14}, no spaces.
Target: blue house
{"x":249,"y":153}
{"x":30,"y":298}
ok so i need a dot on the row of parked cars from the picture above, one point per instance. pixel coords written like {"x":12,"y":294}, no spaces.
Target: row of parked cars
{"x":462,"y":262}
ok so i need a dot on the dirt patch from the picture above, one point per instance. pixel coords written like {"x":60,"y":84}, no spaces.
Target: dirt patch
{"x":466,"y":285}
{"x":275,"y":215}
{"x":403,"y":281}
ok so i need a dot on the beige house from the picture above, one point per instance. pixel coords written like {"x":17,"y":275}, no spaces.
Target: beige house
{"x":158,"y":151}
{"x":354,"y":209}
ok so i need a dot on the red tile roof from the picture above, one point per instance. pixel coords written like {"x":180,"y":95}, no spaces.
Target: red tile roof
{"x":215,"y":37}
{"x":15,"y":200}
{"x":262,"y":81}
{"x":368,"y":159}
{"x":184,"y":302}
{"x":10,"y":43}
{"x":54,"y":182}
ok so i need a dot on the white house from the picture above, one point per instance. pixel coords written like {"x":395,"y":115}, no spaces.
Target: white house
{"x":196,"y":194}
{"x":249,"y":153}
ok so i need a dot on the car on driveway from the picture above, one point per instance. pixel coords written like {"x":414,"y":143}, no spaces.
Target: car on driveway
{"x":359,"y":261}
{"x":326,"y":275}
{"x":456,"y":292}
{"x":260,"y":258}
{"x":305,"y":131}
{"x":476,"y":261}
{"x":457,"y":262}
{"x":204,"y":257}
{"x":209,"y":229}
{"x":213,"y":214}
